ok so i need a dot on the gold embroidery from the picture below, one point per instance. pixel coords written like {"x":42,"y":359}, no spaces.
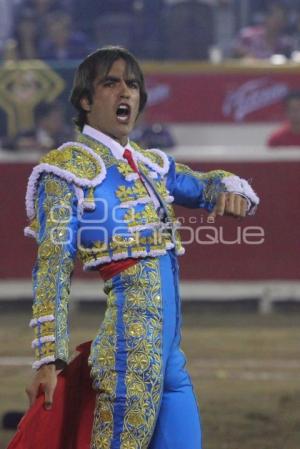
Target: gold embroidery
{"x":132,"y":193}
{"x":124,"y":168}
{"x":47,"y":328}
{"x":146,"y":216}
{"x":103,"y":372}
{"x":213,"y":174}
{"x":75,"y":160}
{"x":98,"y":148}
{"x":159,"y":240}
{"x":90,"y":196}
{"x":143,"y":328}
{"x":212,"y":180}
{"x":54,"y":267}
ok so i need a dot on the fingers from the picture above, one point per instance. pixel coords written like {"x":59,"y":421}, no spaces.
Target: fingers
{"x":46,"y":377}
{"x":48,"y":397}
{"x":49,"y":389}
{"x":230,"y":204}
{"x":240,"y":206}
{"x":237,"y":206}
{"x":220,"y":205}
{"x":32,"y":393}
{"x":244,"y":207}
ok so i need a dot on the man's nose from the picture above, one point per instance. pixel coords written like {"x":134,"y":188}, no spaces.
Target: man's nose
{"x":125,"y":92}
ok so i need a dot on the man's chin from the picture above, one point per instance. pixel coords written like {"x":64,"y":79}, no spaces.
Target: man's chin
{"x":123,"y":132}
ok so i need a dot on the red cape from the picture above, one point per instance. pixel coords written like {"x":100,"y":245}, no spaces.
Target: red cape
{"x":68,"y":425}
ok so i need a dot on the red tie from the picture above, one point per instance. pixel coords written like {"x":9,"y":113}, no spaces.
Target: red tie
{"x":128,"y":155}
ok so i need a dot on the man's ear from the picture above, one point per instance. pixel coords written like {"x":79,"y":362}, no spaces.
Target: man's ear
{"x":85,"y":104}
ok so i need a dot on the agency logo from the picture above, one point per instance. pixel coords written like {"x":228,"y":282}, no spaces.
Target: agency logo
{"x":201,"y":230}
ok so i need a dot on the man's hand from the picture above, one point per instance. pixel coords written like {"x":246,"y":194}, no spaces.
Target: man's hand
{"x":230,"y":204}
{"x":46,"y":376}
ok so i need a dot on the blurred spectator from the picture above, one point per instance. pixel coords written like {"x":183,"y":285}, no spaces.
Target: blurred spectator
{"x":114,"y":29}
{"x":51,"y":129}
{"x":85,"y":16}
{"x":7,"y":8}
{"x":189,"y":28}
{"x":288,"y":134}
{"x":296,"y":31}
{"x":264,"y":40}
{"x":24,"y":141}
{"x":149,"y":31}
{"x":49,"y":133}
{"x":42,"y":7}
{"x":156,"y":135}
{"x":26,"y":34}
{"x":60,"y":41}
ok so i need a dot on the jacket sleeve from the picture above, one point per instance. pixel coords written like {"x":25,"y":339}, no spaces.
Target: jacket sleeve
{"x":56,"y":212}
{"x":201,"y":189}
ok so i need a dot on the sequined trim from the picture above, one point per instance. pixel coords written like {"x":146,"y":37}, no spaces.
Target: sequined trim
{"x":37,"y":341}
{"x":241,"y":186}
{"x":143,"y":200}
{"x":155,"y":159}
{"x":42,"y":319}
{"x":29,"y":232}
{"x":43,"y":361}
{"x":135,"y":246}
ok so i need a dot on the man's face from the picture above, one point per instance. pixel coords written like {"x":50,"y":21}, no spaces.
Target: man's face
{"x":115,"y":102}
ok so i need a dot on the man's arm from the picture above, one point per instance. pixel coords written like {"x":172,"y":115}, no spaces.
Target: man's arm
{"x":218,"y":191}
{"x":56,"y":209}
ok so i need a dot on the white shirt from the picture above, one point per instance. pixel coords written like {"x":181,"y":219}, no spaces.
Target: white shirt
{"x":117,"y":150}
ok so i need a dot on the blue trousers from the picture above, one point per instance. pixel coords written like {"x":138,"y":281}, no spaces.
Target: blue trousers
{"x":145,"y":398}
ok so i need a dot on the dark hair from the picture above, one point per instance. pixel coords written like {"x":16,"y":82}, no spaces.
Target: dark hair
{"x":87,"y":71}
{"x":292,"y":95}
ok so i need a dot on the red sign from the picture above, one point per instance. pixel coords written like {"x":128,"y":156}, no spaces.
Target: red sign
{"x":236,"y":96}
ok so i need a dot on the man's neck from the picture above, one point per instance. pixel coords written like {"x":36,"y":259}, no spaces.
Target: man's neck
{"x":115,"y":147}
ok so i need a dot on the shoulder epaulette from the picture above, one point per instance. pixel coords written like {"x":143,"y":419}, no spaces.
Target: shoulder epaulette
{"x":74,"y":162}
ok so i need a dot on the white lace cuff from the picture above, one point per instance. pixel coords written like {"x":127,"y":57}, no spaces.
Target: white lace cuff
{"x":234,"y":184}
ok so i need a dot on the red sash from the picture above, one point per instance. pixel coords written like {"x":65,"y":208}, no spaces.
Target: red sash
{"x":111,"y":269}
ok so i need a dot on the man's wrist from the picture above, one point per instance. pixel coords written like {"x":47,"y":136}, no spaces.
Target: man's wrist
{"x":58,"y":364}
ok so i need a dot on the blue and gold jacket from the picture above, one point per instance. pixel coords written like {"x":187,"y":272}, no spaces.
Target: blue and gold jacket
{"x":82,"y":201}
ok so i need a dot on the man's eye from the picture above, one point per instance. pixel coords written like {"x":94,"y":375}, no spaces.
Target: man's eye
{"x":109,"y":83}
{"x":133,"y":84}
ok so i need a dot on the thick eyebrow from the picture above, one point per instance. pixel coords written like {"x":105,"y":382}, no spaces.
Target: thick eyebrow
{"x":116,"y":79}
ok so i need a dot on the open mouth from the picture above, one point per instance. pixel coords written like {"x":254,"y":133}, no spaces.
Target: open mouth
{"x":123,"y":112}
